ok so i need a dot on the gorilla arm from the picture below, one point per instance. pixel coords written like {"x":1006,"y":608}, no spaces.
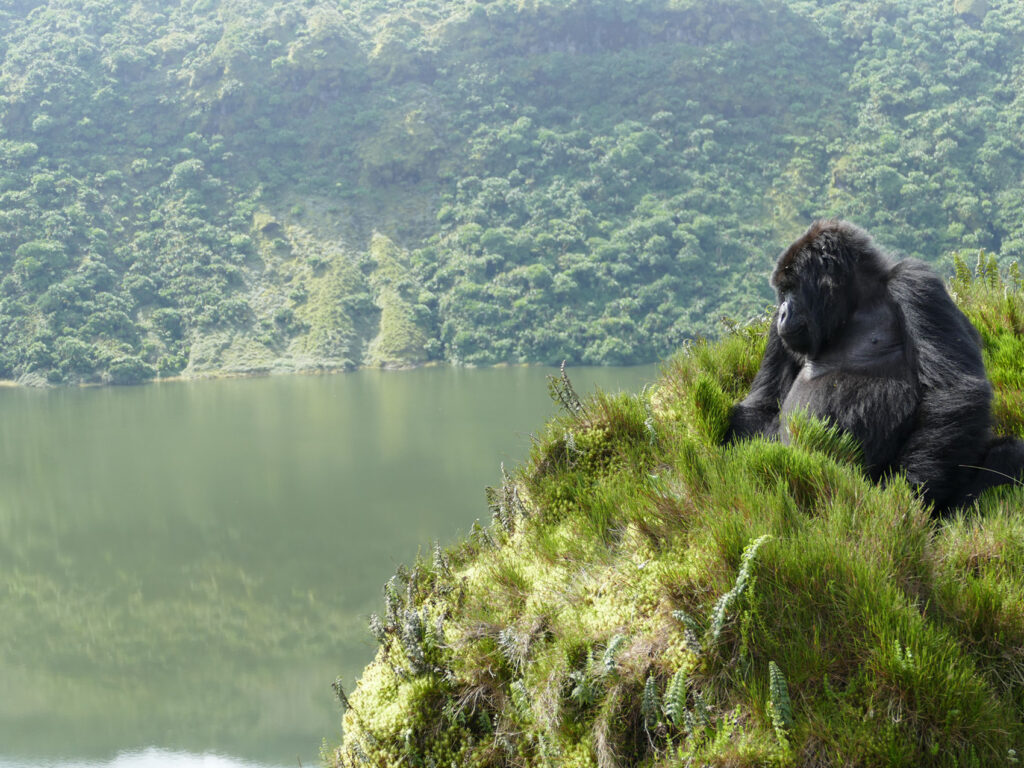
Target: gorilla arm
{"x":951,"y":426}
{"x":758,"y":413}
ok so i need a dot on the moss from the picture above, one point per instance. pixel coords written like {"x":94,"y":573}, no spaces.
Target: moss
{"x":646,"y":596}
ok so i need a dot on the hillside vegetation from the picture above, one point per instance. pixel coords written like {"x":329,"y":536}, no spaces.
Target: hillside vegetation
{"x":244,"y":185}
{"x":648,"y":597}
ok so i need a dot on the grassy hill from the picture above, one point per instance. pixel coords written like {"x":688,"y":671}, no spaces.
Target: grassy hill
{"x":645,"y":596}
{"x":203,"y":187}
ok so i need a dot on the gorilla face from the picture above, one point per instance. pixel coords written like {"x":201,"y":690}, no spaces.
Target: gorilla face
{"x":794,"y":325}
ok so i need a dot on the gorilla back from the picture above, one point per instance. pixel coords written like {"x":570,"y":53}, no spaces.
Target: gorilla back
{"x":878,"y":348}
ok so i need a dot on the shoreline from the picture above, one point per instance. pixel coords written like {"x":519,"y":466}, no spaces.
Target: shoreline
{"x":311,"y":371}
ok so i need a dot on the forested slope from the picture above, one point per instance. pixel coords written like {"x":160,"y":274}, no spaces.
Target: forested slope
{"x":255,"y":186}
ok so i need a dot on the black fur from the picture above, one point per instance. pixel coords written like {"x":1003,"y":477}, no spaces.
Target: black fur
{"x":879,"y":348}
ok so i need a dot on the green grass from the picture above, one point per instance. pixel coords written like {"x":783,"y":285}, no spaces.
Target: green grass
{"x":646,"y":596}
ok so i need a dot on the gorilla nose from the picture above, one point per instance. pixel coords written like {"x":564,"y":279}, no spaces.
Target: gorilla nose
{"x":792,"y":326}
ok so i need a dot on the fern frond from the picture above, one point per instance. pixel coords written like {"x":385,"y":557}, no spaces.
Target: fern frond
{"x":727,"y":602}
{"x":649,"y":702}
{"x":700,"y":710}
{"x":962,"y":277}
{"x":691,"y":633}
{"x":564,"y":394}
{"x":779,"y":706}
{"x":412,"y":641}
{"x":521,"y":700}
{"x":377,"y":628}
{"x":613,"y":650}
{"x":675,"y":699}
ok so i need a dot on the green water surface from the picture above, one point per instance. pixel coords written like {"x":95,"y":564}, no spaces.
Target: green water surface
{"x":185,"y":567}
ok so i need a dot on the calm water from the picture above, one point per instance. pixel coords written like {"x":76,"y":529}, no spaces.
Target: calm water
{"x":185,"y":568}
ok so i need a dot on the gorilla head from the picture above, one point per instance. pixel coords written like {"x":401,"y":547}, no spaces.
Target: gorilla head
{"x":819,"y":281}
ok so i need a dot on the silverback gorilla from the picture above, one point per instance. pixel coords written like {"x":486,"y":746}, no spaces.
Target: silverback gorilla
{"x":878,"y":348}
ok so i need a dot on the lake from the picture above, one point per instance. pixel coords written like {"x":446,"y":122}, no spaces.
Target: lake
{"x":186,"y":567}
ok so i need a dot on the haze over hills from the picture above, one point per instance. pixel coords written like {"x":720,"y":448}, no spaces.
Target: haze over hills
{"x":253,"y":186}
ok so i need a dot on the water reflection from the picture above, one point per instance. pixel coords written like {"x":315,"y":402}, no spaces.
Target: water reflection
{"x":190,"y":565}
{"x":147,"y":758}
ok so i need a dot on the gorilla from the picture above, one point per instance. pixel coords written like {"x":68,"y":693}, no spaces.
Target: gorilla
{"x":879,"y":349}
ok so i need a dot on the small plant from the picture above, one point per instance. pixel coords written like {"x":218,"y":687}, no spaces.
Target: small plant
{"x":571,"y":449}
{"x":649,"y":421}
{"x":675,"y":699}
{"x":585,"y":689}
{"x":521,"y":700}
{"x":691,"y":630}
{"x":392,"y":601}
{"x":563,"y":393}
{"x":339,"y":691}
{"x":505,"y":503}
{"x":377,"y":628}
{"x":962,"y":276}
{"x":650,"y":703}
{"x":614,"y":648}
{"x":1013,"y":277}
{"x":779,"y":706}
{"x":413,"y":637}
{"x":987,"y":269}
{"x":727,"y":602}
{"x":515,"y":647}
{"x":481,"y":536}
{"x":903,"y":657}
{"x":442,"y":566}
{"x":701,"y":712}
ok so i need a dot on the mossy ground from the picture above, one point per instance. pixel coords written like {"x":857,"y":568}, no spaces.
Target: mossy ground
{"x":646,"y":596}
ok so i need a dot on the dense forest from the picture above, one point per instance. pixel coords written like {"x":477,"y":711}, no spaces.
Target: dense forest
{"x":229,"y":185}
